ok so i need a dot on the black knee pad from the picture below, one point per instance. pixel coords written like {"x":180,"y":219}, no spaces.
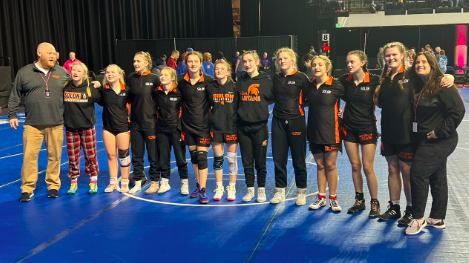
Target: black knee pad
{"x":218,"y":162}
{"x":202,"y":160}
{"x":194,"y":159}
{"x":124,"y":158}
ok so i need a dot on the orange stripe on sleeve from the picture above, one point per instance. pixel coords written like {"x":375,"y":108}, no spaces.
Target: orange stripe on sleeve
{"x":337,"y":131}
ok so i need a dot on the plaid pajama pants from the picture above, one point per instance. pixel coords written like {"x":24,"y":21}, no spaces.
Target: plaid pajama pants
{"x":77,"y":138}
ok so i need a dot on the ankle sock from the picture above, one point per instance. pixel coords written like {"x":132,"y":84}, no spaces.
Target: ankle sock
{"x":395,"y":202}
{"x":220,"y":183}
{"x":232,"y":184}
{"x":322,"y":195}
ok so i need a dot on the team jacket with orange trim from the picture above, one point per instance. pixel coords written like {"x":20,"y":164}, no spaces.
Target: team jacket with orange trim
{"x":142,"y":101}
{"x":224,"y":100}
{"x":253,"y":105}
{"x":396,"y":113}
{"x":323,"y":121}
{"x":195,"y":116}
{"x":115,"y":108}
{"x":79,"y":109}
{"x":359,"y":110}
{"x":289,"y":92}
{"x":169,"y":109}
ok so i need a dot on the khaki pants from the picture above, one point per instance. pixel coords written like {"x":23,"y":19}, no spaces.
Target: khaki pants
{"x":33,"y":136}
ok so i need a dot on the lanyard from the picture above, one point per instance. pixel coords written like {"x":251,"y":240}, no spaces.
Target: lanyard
{"x":46,"y":81}
{"x":417,"y":103}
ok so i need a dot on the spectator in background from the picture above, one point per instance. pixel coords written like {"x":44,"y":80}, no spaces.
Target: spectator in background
{"x":312,"y":51}
{"x":220,"y":57}
{"x":68,"y":64}
{"x":189,"y":49}
{"x":234,"y":60}
{"x":437,"y":53}
{"x":428,"y":48}
{"x":181,"y":67}
{"x":265,"y":62}
{"x":307,"y":59}
{"x":410,"y":57}
{"x":442,"y":61}
{"x":380,"y":58}
{"x":456,"y":3}
{"x":161,"y":62}
{"x":57,"y":56}
{"x":240,"y":70}
{"x":207,"y":65}
{"x":172,"y":60}
{"x":398,"y":4}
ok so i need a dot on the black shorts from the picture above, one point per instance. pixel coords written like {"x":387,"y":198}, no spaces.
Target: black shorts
{"x":324,"y":148}
{"x":194,"y":139}
{"x":115,"y":133}
{"x":405,"y":152}
{"x":224,"y":137}
{"x":359,"y":137}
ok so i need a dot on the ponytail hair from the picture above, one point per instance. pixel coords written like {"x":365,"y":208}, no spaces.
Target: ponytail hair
{"x":386,"y":69}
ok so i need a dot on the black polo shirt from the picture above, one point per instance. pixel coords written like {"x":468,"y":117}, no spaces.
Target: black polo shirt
{"x":289,"y":92}
{"x":142,"y":102}
{"x":169,"y":110}
{"x":115,"y":108}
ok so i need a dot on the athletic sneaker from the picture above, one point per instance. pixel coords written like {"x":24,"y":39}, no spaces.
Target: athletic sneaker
{"x":154,"y":187}
{"x":93,"y":188}
{"x":357,"y":207}
{"x":184,"y":188}
{"x":318,"y":203}
{"x":164,"y":187}
{"x":394,"y":211}
{"x":415,"y":226}
{"x":436,"y":223}
{"x":249,"y":195}
{"x":334,"y":204}
{"x":231,"y":189}
{"x":53,"y":193}
{"x":124,"y":186}
{"x":405,"y":220}
{"x":301,"y":197}
{"x":132,"y":180}
{"x":137,"y":187}
{"x":73,"y":189}
{"x":218,"y":193}
{"x":279,"y":196}
{"x":203,"y":198}
{"x":112,"y":185}
{"x":375,"y":209}
{"x":196,"y":192}
{"x":261,"y":197}
{"x":26,"y":197}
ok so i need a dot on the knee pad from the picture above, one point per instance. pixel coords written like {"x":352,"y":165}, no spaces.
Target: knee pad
{"x":232,"y":163}
{"x":218,"y":162}
{"x":194,"y":157}
{"x":202,"y":160}
{"x":124,"y":158}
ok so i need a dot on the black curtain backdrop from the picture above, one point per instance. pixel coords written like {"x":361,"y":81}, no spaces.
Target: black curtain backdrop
{"x":91,"y":27}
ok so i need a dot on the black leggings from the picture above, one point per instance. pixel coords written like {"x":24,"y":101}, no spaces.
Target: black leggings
{"x":138,"y":140}
{"x":253,"y":149}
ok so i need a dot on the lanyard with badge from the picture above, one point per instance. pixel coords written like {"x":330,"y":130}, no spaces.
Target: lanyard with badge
{"x":416,"y":103}
{"x":47,"y":93}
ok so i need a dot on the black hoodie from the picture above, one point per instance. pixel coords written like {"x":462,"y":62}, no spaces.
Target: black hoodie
{"x":224,"y":100}
{"x":254,"y":97}
{"x":79,"y":109}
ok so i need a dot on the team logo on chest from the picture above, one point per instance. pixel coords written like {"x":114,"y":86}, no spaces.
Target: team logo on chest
{"x":173,"y":99}
{"x":252,"y":94}
{"x":405,"y":81}
{"x":222,"y":98}
{"x":148,"y":84}
{"x":291,"y":82}
{"x":200,"y":88}
{"x":365,"y":88}
{"x":326,"y":91}
{"x":70,"y":96}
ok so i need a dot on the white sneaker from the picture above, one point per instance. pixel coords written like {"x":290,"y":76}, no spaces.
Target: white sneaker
{"x":249,"y":195}
{"x":415,"y":226}
{"x":261,"y":197}
{"x":152,"y":189}
{"x":137,"y":187}
{"x":334,"y":204}
{"x":218,"y":193}
{"x":279,"y":196}
{"x":185,"y":188}
{"x":318,"y":203}
{"x":301,"y":198}
{"x":164,"y":187}
{"x":231,"y":189}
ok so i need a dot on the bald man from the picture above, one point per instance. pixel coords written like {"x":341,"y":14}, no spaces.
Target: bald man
{"x":41,"y":83}
{"x":73,"y":59}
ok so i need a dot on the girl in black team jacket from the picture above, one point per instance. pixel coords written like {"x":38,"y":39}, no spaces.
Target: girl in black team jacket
{"x":223,"y":100}
{"x":116,"y":135}
{"x":195,"y":120}
{"x":255,"y":92}
{"x":142,"y":84}
{"x":288,"y":125}
{"x":168,"y":99}
{"x":79,"y":121}
{"x":359,"y":128}
{"x":323,"y":129}
{"x":438,"y":112}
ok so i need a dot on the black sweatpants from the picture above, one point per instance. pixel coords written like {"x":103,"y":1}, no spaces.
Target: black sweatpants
{"x":429,"y":169}
{"x":253,"y":150}
{"x":138,"y":140}
{"x":289,"y":134}
{"x":165,"y":142}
